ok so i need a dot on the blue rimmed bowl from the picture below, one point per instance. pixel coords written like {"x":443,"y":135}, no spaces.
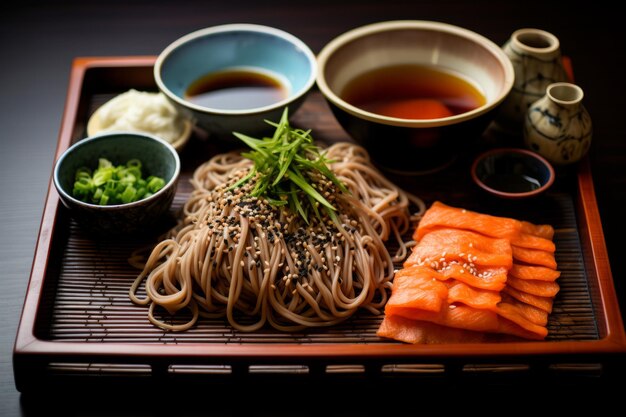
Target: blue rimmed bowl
{"x":236,"y":46}
{"x":157,"y":157}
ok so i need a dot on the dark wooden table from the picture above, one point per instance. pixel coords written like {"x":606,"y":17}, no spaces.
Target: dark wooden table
{"x":39,"y":40}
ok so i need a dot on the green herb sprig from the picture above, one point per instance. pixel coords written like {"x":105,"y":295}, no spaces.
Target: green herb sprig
{"x":285,"y":164}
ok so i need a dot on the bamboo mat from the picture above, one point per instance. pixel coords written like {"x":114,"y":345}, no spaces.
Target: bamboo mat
{"x":86,"y":298}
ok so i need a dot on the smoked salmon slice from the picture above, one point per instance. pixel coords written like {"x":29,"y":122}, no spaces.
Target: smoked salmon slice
{"x":508,"y":327}
{"x":540,"y":273}
{"x":540,"y":288}
{"x":486,"y":278}
{"x":525,"y":240}
{"x":469,"y":318}
{"x":544,"y":303}
{"x":447,"y":245}
{"x":423,"y":332}
{"x":543,"y":230}
{"x":416,"y":288}
{"x":513,"y":313}
{"x":459,"y":292}
{"x":532,"y":314}
{"x":452,"y":315}
{"x":534,"y":257}
{"x":473,"y":274}
{"x":523,"y":234}
{"x":441,"y":215}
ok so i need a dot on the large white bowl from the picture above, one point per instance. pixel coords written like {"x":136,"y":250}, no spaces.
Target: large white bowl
{"x":412,"y":144}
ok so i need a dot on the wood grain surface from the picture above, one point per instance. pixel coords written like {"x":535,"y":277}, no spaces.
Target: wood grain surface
{"x":38,"y":41}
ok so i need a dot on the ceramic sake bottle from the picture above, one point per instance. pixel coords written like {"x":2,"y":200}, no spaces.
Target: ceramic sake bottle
{"x":558,"y":126}
{"x":536,"y":58}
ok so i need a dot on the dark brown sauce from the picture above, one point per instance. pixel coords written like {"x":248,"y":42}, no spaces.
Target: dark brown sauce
{"x":412,"y":92}
{"x":236,"y":89}
{"x":512,"y":183}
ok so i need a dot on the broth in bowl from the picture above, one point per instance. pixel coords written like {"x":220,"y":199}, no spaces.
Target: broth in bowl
{"x":416,"y":94}
{"x":413,"y":91}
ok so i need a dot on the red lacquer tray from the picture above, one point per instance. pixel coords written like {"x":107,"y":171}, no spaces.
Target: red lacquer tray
{"x":77,"y":319}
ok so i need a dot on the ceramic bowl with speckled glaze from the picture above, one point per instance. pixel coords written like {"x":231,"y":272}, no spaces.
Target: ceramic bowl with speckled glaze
{"x":158,"y":158}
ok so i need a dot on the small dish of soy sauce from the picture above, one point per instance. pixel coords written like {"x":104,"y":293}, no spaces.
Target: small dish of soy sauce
{"x":512,"y":173}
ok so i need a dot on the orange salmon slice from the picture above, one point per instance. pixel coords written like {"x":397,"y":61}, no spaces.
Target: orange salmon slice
{"x":457,"y":316}
{"x":459,"y":292}
{"x":534,"y":257}
{"x":532,"y":314}
{"x":543,"y":303}
{"x":416,"y":288}
{"x":486,"y":278}
{"x":523,"y":234}
{"x":539,"y":273}
{"x":472,"y":277}
{"x":517,"y":316}
{"x":543,"y":230}
{"x":465,"y":247}
{"x":442,"y":215}
{"x":539,"y":288}
{"x":423,"y":332}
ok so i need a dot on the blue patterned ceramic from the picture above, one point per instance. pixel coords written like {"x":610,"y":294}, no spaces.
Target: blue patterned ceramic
{"x":558,"y":126}
{"x":219,"y":48}
{"x":158,"y":158}
{"x":536,"y":58}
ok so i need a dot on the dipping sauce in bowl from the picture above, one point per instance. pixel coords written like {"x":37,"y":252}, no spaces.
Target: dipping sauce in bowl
{"x":512,"y":173}
{"x":231,"y":78}
{"x":237,"y":89}
{"x":413,"y":91}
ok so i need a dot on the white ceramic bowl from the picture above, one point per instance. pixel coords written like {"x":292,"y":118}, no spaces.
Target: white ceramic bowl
{"x":414,"y":144}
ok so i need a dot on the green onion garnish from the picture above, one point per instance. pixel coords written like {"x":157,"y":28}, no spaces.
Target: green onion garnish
{"x":109,"y":184}
{"x":286,"y":165}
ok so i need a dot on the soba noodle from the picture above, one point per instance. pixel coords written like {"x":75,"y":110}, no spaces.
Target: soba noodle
{"x":238,"y":256}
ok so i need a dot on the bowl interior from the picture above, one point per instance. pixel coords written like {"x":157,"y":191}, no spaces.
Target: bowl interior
{"x":157,"y":158}
{"x":205,"y":52}
{"x":512,"y":172}
{"x":426,"y":43}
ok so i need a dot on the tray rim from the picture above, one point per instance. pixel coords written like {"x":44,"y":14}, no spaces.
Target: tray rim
{"x":28,"y":346}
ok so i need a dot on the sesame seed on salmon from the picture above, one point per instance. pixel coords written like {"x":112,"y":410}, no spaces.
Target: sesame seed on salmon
{"x":470,"y":275}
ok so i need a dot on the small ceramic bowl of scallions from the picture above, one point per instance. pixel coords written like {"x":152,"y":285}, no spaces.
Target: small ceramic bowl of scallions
{"x":118,"y":183}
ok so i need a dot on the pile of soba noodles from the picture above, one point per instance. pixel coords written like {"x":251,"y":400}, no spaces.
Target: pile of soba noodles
{"x":255,"y":259}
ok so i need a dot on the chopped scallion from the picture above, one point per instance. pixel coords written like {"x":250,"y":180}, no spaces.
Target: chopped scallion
{"x":110,"y":184}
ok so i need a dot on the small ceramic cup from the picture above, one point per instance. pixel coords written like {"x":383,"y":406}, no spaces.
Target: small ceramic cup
{"x":512,"y":173}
